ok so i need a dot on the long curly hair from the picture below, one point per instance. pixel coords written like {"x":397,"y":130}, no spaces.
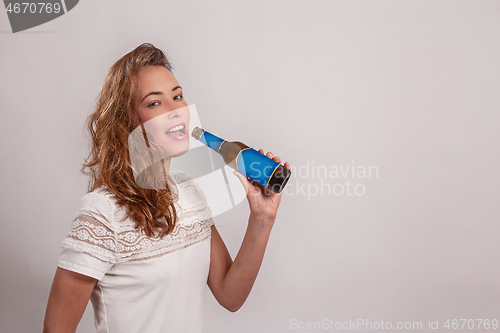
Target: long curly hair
{"x":110,"y":125}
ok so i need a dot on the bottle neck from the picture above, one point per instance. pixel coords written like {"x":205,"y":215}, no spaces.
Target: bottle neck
{"x":211,"y":141}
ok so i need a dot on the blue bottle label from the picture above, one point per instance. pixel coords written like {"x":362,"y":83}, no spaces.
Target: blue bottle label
{"x":256,"y":166}
{"x":212,"y":141}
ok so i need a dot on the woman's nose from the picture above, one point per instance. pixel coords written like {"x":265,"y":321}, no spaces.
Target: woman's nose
{"x":173,"y":113}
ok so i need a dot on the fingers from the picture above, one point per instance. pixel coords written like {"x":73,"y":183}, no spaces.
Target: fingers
{"x":252,"y":187}
{"x":275,"y":158}
{"x":269,"y":154}
{"x":249,"y":185}
{"x":244,"y":181}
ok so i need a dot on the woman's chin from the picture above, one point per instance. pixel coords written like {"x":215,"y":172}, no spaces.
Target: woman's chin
{"x":180,"y":152}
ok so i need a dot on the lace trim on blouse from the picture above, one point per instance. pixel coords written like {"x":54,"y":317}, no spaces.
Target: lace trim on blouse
{"x":94,"y":230}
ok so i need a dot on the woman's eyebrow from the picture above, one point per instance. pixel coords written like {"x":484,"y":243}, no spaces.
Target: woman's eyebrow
{"x":152,"y":93}
{"x":159,"y":92}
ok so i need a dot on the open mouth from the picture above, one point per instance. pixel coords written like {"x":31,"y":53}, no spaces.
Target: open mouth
{"x":177,"y":131}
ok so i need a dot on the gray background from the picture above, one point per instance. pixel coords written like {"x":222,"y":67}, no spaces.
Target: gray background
{"x":411,"y":87}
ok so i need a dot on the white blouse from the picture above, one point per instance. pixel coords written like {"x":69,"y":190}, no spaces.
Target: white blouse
{"x":145,"y":284}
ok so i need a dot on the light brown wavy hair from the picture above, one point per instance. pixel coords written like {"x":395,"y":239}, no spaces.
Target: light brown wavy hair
{"x":115,"y":116}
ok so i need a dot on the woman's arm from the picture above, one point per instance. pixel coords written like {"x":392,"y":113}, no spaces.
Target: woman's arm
{"x":69,"y":296}
{"x":231,"y":282}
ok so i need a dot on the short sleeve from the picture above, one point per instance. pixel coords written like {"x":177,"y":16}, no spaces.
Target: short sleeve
{"x":90,"y":246}
{"x":83,"y":263}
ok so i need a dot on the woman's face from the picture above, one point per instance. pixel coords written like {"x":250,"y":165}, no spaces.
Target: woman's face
{"x":163,"y":110}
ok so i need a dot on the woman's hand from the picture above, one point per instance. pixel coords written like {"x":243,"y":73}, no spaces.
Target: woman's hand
{"x":231,"y":282}
{"x":263,"y":202}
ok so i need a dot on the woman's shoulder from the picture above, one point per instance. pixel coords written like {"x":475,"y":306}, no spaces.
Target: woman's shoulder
{"x":97,"y":202}
{"x":99,"y":192}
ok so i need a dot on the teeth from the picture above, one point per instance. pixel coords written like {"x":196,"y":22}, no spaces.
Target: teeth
{"x":176,"y":128}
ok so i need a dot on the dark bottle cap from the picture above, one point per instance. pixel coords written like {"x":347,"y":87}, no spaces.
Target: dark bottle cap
{"x":279,"y":179}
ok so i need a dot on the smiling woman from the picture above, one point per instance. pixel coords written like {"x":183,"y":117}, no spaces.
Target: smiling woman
{"x":144,"y":255}
{"x":163,"y":110}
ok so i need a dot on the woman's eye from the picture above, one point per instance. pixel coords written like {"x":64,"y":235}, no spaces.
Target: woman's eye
{"x":153,"y":104}
{"x":178,"y":97}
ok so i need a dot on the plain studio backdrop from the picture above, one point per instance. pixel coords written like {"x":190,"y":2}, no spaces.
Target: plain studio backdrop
{"x":408,"y":90}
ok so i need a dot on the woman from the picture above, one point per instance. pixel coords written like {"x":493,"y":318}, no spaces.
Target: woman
{"x":144,"y":254}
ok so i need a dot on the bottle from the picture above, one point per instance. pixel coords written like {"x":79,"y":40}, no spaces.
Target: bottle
{"x":247,"y":161}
